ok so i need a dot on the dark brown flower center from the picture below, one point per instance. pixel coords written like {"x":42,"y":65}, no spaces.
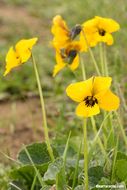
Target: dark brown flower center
{"x":102,"y":32}
{"x":75,"y":31}
{"x":90,"y":101}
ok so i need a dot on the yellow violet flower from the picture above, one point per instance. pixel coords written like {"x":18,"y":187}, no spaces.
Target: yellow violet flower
{"x":61,"y":32}
{"x":20,"y":54}
{"x":92,"y":95}
{"x":68,"y":56}
{"x":98,"y":30}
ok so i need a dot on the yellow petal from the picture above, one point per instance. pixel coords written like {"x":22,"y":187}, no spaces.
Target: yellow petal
{"x":78,"y":91}
{"x":84,"y":111}
{"x":59,"y":25}
{"x":91,"y":29}
{"x":12,"y":60}
{"x":109,"y":25}
{"x":101,"y":85}
{"x":75,"y":63}
{"x":82,"y":42}
{"x":24,"y":47}
{"x":58,"y":68}
{"x":60,"y":32}
{"x":107,"y":39}
{"x":90,"y":26}
{"x":109,"y":101}
{"x":60,"y":64}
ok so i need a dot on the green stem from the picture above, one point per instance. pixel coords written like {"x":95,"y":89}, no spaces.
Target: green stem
{"x":102,"y":59}
{"x":92,"y":118}
{"x":97,"y":136}
{"x":105,"y":61}
{"x":15,"y":186}
{"x":35,"y":168}
{"x":99,"y":140}
{"x":85,"y":155}
{"x":114,"y":160}
{"x":121,"y":127}
{"x":91,"y":54}
{"x":83,"y":69}
{"x":49,"y":148}
{"x":104,"y":68}
{"x":34,"y":182}
{"x":76,"y":167}
{"x":66,"y":149}
{"x":85,"y":139}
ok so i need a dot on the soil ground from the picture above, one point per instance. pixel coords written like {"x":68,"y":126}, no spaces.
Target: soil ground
{"x":21,"y":123}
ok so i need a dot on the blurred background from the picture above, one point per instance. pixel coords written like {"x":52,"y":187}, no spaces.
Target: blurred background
{"x":20,"y":112}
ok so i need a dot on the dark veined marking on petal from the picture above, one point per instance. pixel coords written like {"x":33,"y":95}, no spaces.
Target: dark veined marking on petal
{"x":102,"y":32}
{"x":90,"y":101}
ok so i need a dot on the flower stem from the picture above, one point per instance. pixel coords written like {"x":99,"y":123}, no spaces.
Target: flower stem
{"x":91,"y":54}
{"x":49,"y":148}
{"x":114,"y":160}
{"x":105,"y":61}
{"x":83,"y":68}
{"x":99,"y":140}
{"x":85,"y":155}
{"x":104,"y":70}
{"x":121,"y":127}
{"x":102,"y":59}
{"x":92,"y":118}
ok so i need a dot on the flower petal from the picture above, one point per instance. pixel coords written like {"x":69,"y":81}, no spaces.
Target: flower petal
{"x":75,"y":63}
{"x":60,"y":64}
{"x":101,"y":85}
{"x":58,"y":68}
{"x":109,"y":101}
{"x":109,"y":25}
{"x":107,"y":39}
{"x":24,"y":47}
{"x":12,"y":60}
{"x":78,"y":91}
{"x":91,"y":29}
{"x":84,"y":111}
{"x":59,"y":29}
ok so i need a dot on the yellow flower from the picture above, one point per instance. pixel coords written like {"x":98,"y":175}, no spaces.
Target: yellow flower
{"x":67,"y":56}
{"x":20,"y":54}
{"x":62,"y":35}
{"x":60,"y":31}
{"x":92,"y":95}
{"x":98,"y":30}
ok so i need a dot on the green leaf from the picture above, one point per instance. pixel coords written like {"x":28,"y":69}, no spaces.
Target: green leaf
{"x":27,"y":172}
{"x":104,"y":181}
{"x":95,"y":174}
{"x":121,"y":155}
{"x":79,"y":187}
{"x":38,"y":153}
{"x":56,"y":173}
{"x":14,"y":185}
{"x":53,"y":169}
{"x":46,"y":187}
{"x":110,"y":140}
{"x":61,"y":179}
{"x":121,"y":170}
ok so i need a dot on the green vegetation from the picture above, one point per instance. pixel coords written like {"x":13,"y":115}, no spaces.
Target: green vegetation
{"x":107,"y":136}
